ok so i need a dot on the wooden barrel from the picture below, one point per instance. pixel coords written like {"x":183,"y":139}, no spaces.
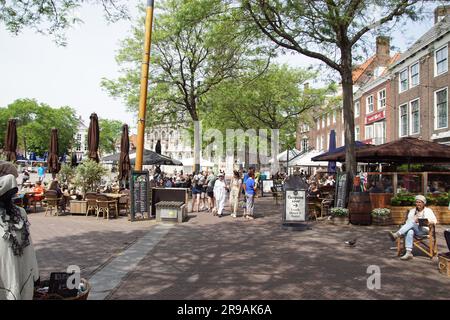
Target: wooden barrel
{"x":359,"y":208}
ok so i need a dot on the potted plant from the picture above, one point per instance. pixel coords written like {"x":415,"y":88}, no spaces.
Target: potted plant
{"x":381,"y":216}
{"x":88,"y":176}
{"x":400,"y":205}
{"x":340,"y":215}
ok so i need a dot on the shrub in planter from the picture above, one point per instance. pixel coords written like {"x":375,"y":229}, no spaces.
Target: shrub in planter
{"x":340,"y":215}
{"x":339,"y":212}
{"x":381,"y":216}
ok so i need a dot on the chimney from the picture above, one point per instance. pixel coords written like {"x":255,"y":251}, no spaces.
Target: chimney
{"x":383,"y":47}
{"x":440,"y":12}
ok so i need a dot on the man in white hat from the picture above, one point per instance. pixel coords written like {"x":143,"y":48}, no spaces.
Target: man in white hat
{"x":412,"y":227}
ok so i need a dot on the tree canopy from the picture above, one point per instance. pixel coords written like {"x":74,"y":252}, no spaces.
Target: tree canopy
{"x":110,"y":132}
{"x":35,"y":121}
{"x":331,"y":31}
{"x":52,"y":16}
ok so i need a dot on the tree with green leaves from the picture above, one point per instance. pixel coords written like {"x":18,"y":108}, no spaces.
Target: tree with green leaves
{"x":276,"y":99}
{"x":110,"y":131}
{"x":88,"y":176}
{"x":196,"y":45}
{"x":53,"y":16}
{"x":332,"y":32}
{"x":35,"y":121}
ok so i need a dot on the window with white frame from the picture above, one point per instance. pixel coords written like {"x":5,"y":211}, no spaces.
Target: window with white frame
{"x":415,"y":116}
{"x":334,"y":116}
{"x":441,"y":109}
{"x":328,"y":120}
{"x":403,"y":80}
{"x":382,"y":99}
{"x":369,"y":132}
{"x":403,"y":120}
{"x":415,"y":75}
{"x":369,"y":104}
{"x":441,"y":58}
{"x":357,"y":109}
{"x":79,"y":136}
{"x":356,"y":132}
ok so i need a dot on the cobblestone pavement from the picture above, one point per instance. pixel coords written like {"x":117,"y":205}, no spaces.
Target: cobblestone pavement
{"x":61,"y":241}
{"x":232,"y":258}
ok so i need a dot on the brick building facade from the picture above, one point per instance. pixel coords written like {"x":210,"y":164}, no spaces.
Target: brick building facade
{"x":395,"y":95}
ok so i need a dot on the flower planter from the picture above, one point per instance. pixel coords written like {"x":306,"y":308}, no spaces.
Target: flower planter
{"x":382,"y":220}
{"x":442,"y":214}
{"x":399,"y":213}
{"x":340,"y":220}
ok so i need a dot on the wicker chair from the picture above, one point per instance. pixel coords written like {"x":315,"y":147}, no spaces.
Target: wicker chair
{"x":91,"y":198}
{"x":52,"y":201}
{"x":104,"y":205}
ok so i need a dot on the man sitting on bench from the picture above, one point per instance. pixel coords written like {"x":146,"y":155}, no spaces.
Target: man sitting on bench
{"x":413,"y":225}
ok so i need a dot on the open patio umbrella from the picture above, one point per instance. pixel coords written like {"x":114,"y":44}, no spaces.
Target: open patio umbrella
{"x":404,"y":150}
{"x":331,"y":148}
{"x":93,"y":137}
{"x":149,"y":158}
{"x":329,"y":155}
{"x":11,"y":141}
{"x":52,"y":161}
{"x":124,"y":160}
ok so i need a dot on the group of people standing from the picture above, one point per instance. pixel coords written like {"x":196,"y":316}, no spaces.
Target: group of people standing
{"x":216,"y":188}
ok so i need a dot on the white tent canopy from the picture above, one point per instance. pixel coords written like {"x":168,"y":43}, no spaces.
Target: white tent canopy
{"x":189,"y":162}
{"x":305,"y":160}
{"x":282,"y":157}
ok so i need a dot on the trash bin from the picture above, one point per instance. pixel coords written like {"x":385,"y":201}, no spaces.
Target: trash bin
{"x":170,"y":211}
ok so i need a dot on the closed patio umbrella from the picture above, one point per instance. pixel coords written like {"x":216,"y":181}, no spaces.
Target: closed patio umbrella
{"x":124,"y":160}
{"x":11,"y":141}
{"x":331,"y":148}
{"x":93,"y":137}
{"x":53,"y":161}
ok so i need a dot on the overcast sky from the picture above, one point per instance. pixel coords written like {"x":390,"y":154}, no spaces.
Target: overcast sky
{"x":33,"y":66}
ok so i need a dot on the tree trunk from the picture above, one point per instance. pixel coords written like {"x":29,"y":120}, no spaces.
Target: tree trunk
{"x":349,"y":119}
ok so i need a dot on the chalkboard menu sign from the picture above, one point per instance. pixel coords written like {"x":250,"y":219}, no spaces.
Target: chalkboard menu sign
{"x":341,"y":191}
{"x":140,"y":192}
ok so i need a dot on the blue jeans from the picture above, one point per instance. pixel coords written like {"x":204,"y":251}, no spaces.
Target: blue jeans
{"x":409,"y":229}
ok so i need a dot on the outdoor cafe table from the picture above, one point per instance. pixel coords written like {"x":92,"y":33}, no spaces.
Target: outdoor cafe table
{"x":23,"y":195}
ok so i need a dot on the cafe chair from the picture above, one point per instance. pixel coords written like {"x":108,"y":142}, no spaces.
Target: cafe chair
{"x":426,"y":243}
{"x":104,"y":205}
{"x":314,"y":208}
{"x":52,"y":201}
{"x":91,"y":205}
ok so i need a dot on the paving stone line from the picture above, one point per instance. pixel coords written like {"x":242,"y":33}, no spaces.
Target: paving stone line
{"x":111,"y":275}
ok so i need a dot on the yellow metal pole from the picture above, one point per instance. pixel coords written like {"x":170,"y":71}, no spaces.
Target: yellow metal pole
{"x":144,"y":86}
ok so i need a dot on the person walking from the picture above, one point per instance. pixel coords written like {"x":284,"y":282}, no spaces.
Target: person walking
{"x":41,"y":173}
{"x":210,"y":190}
{"x":220,"y":194}
{"x":235,"y":190}
{"x":250,"y":194}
